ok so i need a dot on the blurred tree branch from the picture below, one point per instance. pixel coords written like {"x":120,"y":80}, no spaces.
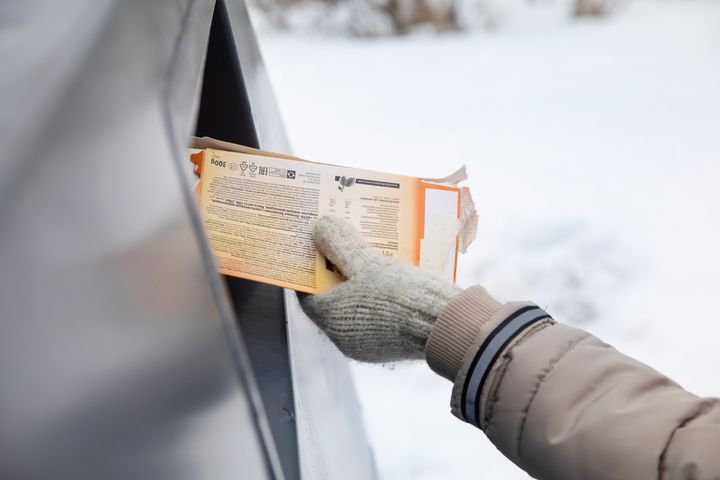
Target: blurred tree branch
{"x":400,"y":17}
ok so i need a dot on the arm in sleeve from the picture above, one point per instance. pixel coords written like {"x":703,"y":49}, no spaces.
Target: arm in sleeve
{"x":562,"y":404}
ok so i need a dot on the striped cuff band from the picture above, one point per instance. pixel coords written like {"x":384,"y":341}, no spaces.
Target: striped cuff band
{"x":488,"y":353}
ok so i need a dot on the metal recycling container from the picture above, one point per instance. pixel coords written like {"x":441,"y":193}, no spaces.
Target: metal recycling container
{"x":123,"y":354}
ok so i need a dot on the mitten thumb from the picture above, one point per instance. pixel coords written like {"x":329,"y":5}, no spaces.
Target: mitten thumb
{"x":342,"y":245}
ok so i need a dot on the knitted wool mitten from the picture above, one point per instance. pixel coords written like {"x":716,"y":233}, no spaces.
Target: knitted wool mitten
{"x":385,"y":309}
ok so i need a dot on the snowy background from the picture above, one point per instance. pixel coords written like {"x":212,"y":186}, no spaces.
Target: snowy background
{"x":593,"y":148}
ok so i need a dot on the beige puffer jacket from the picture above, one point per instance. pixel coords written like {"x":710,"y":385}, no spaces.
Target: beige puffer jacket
{"x":562,"y":404}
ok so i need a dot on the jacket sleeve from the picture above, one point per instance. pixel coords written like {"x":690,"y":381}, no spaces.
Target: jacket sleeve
{"x":562,"y":404}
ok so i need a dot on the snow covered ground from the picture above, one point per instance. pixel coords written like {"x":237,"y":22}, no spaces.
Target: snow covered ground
{"x":594,"y":154}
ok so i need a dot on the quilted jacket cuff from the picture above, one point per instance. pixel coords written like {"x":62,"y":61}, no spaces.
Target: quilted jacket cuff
{"x":461,"y":322}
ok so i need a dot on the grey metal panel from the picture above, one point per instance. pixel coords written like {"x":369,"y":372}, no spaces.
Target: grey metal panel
{"x":261,"y":316}
{"x":268,"y":122}
{"x":119,"y":356}
{"x":225,"y":113}
{"x":332,"y":440}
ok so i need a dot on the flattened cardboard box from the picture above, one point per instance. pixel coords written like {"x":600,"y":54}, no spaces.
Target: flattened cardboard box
{"x":259,"y":209}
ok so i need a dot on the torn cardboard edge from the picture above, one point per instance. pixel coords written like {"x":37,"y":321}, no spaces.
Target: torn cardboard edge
{"x":468,"y":213}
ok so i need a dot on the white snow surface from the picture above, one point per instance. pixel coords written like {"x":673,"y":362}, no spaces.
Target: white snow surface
{"x":594,"y":157}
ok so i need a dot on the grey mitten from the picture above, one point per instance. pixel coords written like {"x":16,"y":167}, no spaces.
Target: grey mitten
{"x":385,"y":309}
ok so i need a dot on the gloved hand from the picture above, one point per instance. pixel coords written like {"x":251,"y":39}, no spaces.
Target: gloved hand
{"x":385,"y":309}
